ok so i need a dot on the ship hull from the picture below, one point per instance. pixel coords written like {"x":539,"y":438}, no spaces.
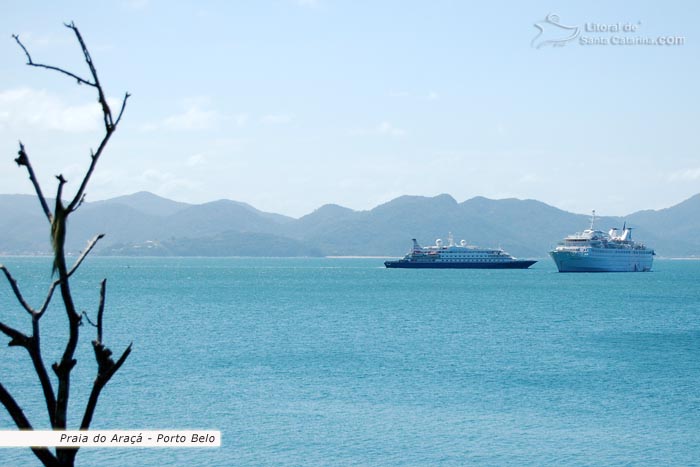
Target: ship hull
{"x":602,"y":261}
{"x":517,"y":264}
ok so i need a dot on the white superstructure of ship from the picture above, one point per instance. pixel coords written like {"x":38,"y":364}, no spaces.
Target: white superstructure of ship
{"x":596,"y":251}
{"x":458,"y":256}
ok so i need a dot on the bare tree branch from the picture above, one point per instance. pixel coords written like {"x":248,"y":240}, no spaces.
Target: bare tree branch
{"x":40,"y":312}
{"x":63,"y":368}
{"x":59,"y":192}
{"x":121,"y":111}
{"x":34,"y":350}
{"x":94,"y":157}
{"x":58,"y":237}
{"x":101,"y":309}
{"x":20,"y":298}
{"x":109,"y":122}
{"x":106,"y":369}
{"x":47,"y":300}
{"x":32,"y":344}
{"x":88,"y":59}
{"x":15,"y":289}
{"x":30,"y":62}
{"x":15,"y":411}
{"x":18,"y":339}
{"x":23,"y":160}
{"x":80,"y":203}
{"x":87,"y":317}
{"x":91,"y":244}
{"x":44,"y":455}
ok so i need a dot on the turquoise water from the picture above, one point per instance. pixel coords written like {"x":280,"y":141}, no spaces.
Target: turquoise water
{"x":340,"y":362}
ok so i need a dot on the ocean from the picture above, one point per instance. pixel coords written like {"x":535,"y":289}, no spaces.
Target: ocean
{"x":341,"y":362}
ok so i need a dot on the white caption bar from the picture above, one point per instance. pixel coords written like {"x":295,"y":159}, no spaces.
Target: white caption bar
{"x":112,"y":438}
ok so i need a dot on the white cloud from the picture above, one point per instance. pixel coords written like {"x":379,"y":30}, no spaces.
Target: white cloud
{"x":108,"y":182}
{"x":165,"y":182}
{"x":276,"y":119}
{"x":26,"y":108}
{"x":196,"y":116}
{"x":193,"y":118}
{"x":240,"y":119}
{"x":685,"y":175}
{"x":195,"y":160}
{"x":384,"y":128}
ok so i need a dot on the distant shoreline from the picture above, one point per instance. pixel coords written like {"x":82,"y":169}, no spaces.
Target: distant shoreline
{"x":10,"y":255}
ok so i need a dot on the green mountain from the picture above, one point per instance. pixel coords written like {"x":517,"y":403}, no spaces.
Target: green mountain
{"x":146,"y":224}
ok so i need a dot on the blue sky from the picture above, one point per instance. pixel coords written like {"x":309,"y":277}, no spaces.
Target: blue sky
{"x":291,"y":104}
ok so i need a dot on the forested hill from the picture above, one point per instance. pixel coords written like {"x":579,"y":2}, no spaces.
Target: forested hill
{"x":146,"y":224}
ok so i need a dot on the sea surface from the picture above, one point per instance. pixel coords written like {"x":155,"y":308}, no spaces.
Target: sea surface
{"x":341,"y":362}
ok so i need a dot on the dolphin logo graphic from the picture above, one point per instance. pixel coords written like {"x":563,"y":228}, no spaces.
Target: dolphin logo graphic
{"x":552,"y":32}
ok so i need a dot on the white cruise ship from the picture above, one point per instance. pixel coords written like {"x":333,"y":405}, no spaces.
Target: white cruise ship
{"x":462,"y":256}
{"x":595,"y":251}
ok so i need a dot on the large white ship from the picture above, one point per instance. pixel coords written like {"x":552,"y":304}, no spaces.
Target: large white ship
{"x":595,"y":251}
{"x":462,"y":256}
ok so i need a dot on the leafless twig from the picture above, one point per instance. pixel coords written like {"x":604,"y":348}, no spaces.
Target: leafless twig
{"x":23,"y":160}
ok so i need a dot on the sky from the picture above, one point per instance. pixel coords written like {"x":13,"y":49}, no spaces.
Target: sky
{"x":292,"y":104}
